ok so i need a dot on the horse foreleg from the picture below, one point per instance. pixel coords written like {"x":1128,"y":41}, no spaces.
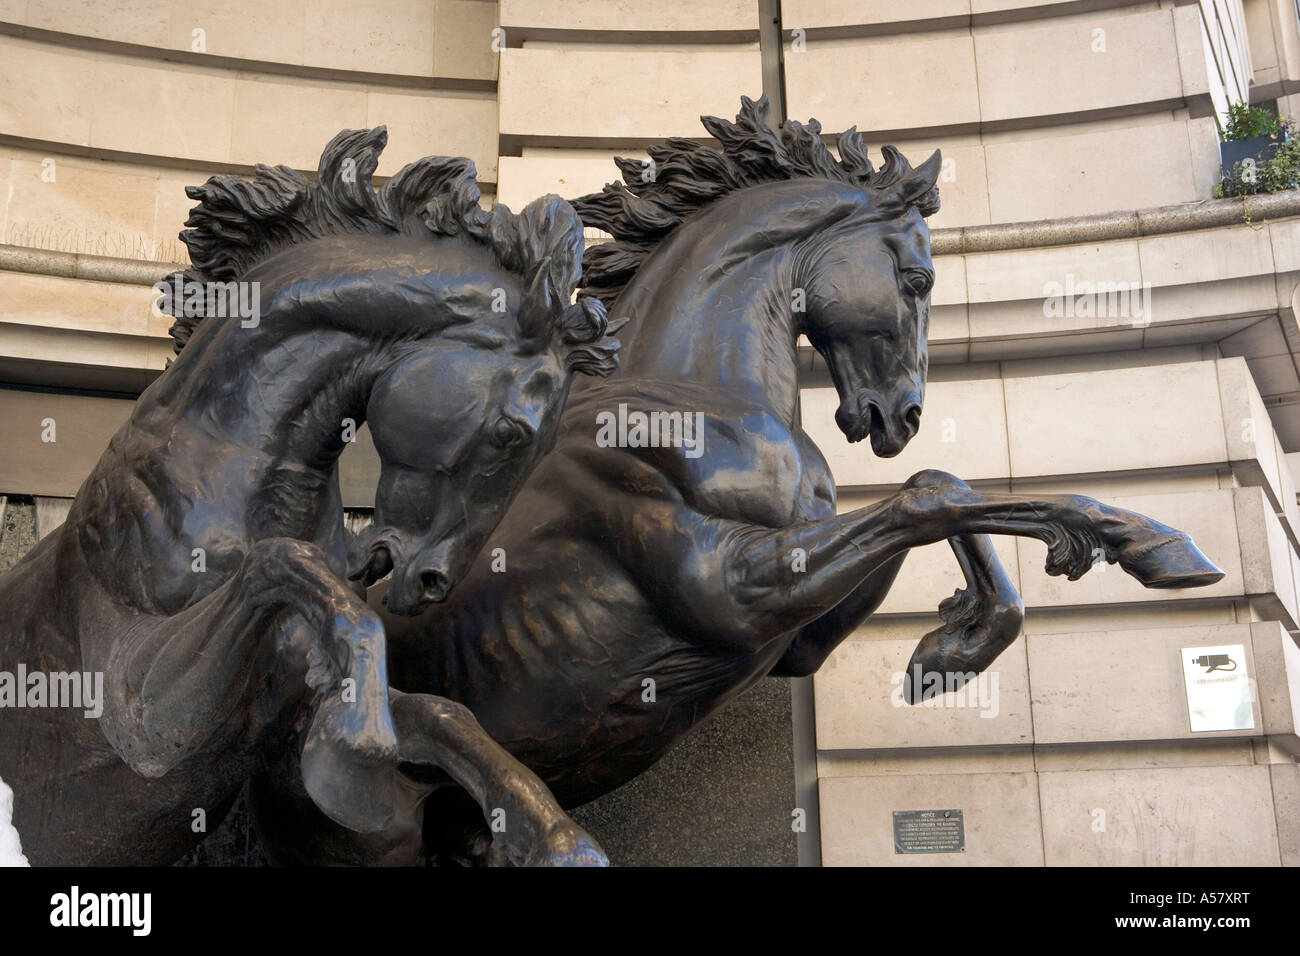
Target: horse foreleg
{"x":815,"y":641}
{"x":528,"y":826}
{"x":213,"y":677}
{"x":763,"y":585}
{"x":979,"y":622}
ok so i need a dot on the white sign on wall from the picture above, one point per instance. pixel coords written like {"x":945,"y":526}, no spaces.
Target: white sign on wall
{"x":1219,"y":690}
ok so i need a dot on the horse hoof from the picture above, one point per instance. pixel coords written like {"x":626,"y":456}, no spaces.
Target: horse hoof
{"x":355,"y":787}
{"x":567,"y":844}
{"x":948,"y":659}
{"x":1171,"y":561}
{"x":970,"y":639}
{"x":940,"y":652}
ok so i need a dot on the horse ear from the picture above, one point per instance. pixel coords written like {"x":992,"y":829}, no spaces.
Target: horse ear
{"x":537,"y":312}
{"x":922,"y":179}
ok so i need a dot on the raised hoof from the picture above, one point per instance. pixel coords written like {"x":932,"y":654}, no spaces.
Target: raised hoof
{"x":951,"y":655}
{"x":1172,"y":561}
{"x":567,"y":844}
{"x":969,"y":640}
{"x":356,"y":787}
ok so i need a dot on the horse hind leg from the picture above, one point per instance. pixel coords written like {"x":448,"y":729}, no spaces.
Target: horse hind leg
{"x":526,"y":824}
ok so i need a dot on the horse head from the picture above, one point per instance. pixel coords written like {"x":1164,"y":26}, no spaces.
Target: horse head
{"x":447,"y":327}
{"x":854,"y":252}
{"x":458,"y":427}
{"x":867,"y":282}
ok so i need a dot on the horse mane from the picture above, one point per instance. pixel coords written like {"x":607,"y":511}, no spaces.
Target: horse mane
{"x":688,"y":176}
{"x":241,"y":220}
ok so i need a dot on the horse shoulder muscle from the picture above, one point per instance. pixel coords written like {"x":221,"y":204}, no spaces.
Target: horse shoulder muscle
{"x":750,"y":470}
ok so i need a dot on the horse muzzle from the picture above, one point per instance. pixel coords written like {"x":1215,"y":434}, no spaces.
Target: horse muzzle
{"x":889,"y":425}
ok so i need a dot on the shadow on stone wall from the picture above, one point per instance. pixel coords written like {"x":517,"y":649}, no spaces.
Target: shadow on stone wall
{"x":722,"y":797}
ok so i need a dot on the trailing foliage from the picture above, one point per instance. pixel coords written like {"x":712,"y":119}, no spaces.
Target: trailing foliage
{"x":1247,"y":122}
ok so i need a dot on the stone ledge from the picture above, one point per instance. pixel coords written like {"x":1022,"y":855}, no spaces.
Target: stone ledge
{"x":239,"y":64}
{"x":960,"y":240}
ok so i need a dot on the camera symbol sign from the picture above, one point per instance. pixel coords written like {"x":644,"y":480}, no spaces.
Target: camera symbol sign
{"x":1219,"y":689}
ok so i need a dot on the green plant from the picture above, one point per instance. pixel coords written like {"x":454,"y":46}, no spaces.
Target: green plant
{"x":1249,"y":178}
{"x":1247,"y":122}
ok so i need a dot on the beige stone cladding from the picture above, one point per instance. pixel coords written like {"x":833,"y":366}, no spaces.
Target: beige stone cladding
{"x":1141,"y":345}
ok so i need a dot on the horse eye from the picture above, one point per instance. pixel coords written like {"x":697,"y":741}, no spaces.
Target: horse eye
{"x":506,"y":433}
{"x":919,"y":282}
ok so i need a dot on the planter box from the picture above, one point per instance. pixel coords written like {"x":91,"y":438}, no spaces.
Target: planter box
{"x":1261,"y":148}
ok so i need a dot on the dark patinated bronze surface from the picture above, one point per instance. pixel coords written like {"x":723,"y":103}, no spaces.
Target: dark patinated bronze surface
{"x":638,"y":584}
{"x":204,"y":568}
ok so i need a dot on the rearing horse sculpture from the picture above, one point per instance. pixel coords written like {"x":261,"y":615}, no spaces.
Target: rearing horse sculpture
{"x":704,"y":573}
{"x":202,"y":568}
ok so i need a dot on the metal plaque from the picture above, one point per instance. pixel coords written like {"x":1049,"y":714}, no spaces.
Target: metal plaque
{"x":929,"y":831}
{"x":1219,"y":691}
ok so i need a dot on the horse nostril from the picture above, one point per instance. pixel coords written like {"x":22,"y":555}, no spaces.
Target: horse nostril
{"x":912,"y":416}
{"x":433,"y":585}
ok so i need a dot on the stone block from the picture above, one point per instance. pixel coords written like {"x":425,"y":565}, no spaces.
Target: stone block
{"x":822,"y":14}
{"x":910,"y":81}
{"x":1285,"y":781}
{"x":1187,"y":816}
{"x":860,"y":704}
{"x":1123,"y":685}
{"x":1169,"y":416}
{"x":288,"y":122}
{"x":628,"y":15}
{"x":435,"y":124}
{"x":1066,"y":66}
{"x":963,"y":431}
{"x":380,"y":36}
{"x":552,"y":93}
{"x":1067,"y":173}
{"x":272,"y":32}
{"x":1000,"y":817}
{"x":463,"y":39}
{"x":48,"y":93}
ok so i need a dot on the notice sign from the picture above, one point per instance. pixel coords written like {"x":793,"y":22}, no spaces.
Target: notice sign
{"x":929,"y":831}
{"x":1219,"y":690}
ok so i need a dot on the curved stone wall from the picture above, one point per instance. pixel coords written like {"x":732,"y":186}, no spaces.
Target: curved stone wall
{"x":1044,"y":110}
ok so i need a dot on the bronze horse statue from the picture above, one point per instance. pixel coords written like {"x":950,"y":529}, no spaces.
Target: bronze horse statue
{"x":203,"y":566}
{"x":637,"y":587}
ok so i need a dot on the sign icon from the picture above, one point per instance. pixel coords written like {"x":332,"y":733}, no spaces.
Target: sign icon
{"x":1216,"y":662}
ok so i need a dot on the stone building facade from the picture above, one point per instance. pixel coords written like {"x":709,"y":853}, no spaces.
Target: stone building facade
{"x":1100,"y":325}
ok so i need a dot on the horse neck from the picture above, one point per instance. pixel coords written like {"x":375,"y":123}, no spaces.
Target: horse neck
{"x":712,"y":306}
{"x":264,"y":411}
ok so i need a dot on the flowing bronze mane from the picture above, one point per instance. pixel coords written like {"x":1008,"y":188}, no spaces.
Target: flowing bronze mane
{"x":687,"y":176}
{"x":240,"y":221}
